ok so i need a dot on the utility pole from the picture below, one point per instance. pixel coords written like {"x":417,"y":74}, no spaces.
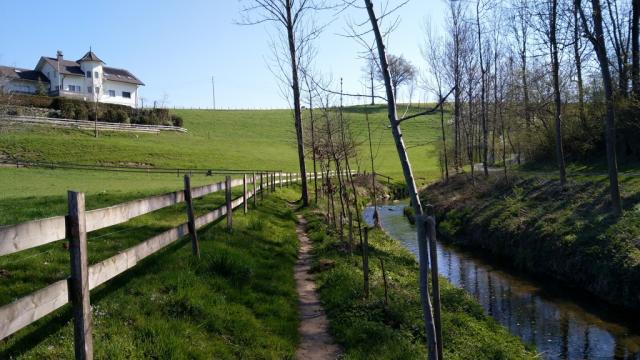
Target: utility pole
{"x":213,"y":91}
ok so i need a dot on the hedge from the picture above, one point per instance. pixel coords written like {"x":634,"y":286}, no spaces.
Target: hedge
{"x":85,"y":110}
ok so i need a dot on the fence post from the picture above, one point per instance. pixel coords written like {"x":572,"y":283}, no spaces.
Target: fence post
{"x":280,"y":178}
{"x":191,"y":224}
{"x":365,"y":261}
{"x":261,"y":186}
{"x":244,"y":193}
{"x":79,"y":280}
{"x":228,"y":199}
{"x":433,"y":255}
{"x":386,"y":286}
{"x":255,"y":191}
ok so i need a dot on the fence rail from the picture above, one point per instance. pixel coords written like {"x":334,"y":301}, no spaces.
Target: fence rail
{"x":84,"y":277}
{"x":90,"y":125}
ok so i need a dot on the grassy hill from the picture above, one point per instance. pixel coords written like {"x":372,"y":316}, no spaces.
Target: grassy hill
{"x":261,"y":139}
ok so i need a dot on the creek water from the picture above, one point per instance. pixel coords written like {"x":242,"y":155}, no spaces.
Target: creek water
{"x":562,"y":323}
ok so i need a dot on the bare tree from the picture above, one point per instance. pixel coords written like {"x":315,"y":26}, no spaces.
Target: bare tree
{"x":596,"y":37}
{"x":435,"y":57}
{"x":370,"y":70}
{"x":394,"y":121}
{"x":401,"y":70}
{"x":294,"y":20}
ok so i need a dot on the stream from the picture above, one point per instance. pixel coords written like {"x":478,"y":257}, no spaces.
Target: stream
{"x":562,"y":323}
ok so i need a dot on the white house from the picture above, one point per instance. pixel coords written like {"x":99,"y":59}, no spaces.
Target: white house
{"x":88,"y":79}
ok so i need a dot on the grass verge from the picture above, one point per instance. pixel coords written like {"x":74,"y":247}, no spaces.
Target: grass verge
{"x":369,"y":329}
{"x":541,"y":228}
{"x":237,"y":301}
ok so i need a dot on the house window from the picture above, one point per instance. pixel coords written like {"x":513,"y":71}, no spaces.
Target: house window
{"x":112,"y":93}
{"x":89,"y":90}
{"x":126,"y":95}
{"x":96,"y":75}
{"x":88,"y":74}
{"x":97,"y":90}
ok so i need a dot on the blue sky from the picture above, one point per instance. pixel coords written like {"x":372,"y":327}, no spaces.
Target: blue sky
{"x":175,"y":48}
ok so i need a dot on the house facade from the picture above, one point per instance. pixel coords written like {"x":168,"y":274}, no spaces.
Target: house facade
{"x":86,"y":79}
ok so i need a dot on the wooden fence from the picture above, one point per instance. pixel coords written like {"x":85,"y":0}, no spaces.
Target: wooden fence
{"x":90,"y":125}
{"x":85,"y":277}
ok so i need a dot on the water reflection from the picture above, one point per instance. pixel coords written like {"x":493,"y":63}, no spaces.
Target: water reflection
{"x":561,"y":325}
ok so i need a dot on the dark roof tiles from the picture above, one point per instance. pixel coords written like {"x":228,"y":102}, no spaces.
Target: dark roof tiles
{"x":90,"y":56}
{"x":13,"y":73}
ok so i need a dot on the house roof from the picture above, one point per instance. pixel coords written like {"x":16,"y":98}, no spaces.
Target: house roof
{"x":121,"y":75}
{"x":68,"y":67}
{"x":13,"y":73}
{"x":90,"y":56}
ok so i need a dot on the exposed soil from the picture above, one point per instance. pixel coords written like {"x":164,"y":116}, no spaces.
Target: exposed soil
{"x":315,"y":340}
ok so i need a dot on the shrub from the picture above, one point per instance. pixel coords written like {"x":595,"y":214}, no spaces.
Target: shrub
{"x":177,"y":120}
{"x":81,"y":113}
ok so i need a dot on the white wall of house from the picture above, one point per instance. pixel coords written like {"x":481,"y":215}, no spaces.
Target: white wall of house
{"x":75,"y":84}
{"x":19,"y":86}
{"x":95,"y":80}
{"x":117,"y":89}
{"x":52,"y":75}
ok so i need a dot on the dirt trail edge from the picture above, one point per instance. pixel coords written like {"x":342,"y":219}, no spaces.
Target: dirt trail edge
{"x":315,"y":340}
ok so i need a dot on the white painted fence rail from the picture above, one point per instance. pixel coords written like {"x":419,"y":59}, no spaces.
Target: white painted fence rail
{"x":90,"y":125}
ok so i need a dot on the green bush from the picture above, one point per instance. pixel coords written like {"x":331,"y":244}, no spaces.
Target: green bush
{"x":177,"y":120}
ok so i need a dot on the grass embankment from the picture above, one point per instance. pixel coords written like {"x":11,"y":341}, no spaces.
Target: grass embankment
{"x":238,"y":139}
{"x":367,"y":329}
{"x":237,"y":301}
{"x":568,"y":234}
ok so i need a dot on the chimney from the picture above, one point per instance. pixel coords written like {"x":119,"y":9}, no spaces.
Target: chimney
{"x":59,"y":56}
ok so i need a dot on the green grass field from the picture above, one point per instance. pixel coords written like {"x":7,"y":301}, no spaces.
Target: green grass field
{"x":216,"y":139}
{"x":369,"y":329}
{"x":237,"y":302}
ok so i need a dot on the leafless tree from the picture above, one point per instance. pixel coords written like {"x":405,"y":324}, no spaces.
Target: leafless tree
{"x":401,"y":70}
{"x":597,"y":39}
{"x":293,"y":19}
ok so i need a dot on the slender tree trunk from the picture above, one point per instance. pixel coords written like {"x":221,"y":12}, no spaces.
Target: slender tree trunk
{"x":295,"y":84}
{"x":555,"y":71}
{"x":635,"y":47}
{"x":599,"y":44}
{"x":578,"y":63}
{"x":483,"y":95}
{"x":444,"y":140}
{"x":427,"y":309}
{"x":376,"y":214}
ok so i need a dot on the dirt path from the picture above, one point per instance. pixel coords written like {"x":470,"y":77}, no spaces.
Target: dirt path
{"x":315,"y":340}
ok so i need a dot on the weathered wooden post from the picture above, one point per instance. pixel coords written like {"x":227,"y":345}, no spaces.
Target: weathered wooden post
{"x":255,"y":191}
{"x":273,"y":181}
{"x":430,"y":224}
{"x":261,"y":187}
{"x":191,"y":222}
{"x":227,"y":194}
{"x":280,"y":179}
{"x":386,"y":284}
{"x":76,"y":230}
{"x":244,"y":193}
{"x":365,"y":261}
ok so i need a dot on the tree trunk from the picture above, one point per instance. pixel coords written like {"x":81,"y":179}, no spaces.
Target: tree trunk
{"x":635,"y":47}
{"x":483,"y":95}
{"x":600,"y":48}
{"x":578,"y":63}
{"x":444,"y":141}
{"x":427,"y":309}
{"x":297,"y":113}
{"x":555,"y":71}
